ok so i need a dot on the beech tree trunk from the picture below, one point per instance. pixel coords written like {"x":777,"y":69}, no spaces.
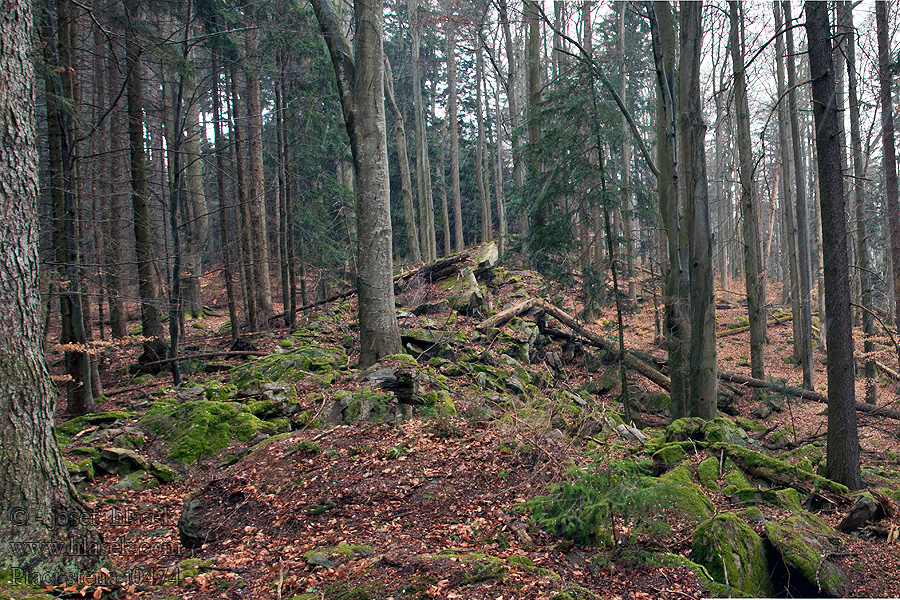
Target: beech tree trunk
{"x":889,"y":158}
{"x":257,"y":200}
{"x":423,"y":162}
{"x":677,"y":326}
{"x":409,"y":211}
{"x":453,"y":117}
{"x":842,"y":458}
{"x":702,"y":359}
{"x":805,"y":292}
{"x":487,"y":230}
{"x":787,"y":206}
{"x":361,"y":85}
{"x":41,"y":505}
{"x":862,"y":244}
{"x":749,"y":214}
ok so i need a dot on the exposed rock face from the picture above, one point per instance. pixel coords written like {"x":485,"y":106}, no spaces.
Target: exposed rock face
{"x":733,"y":554}
{"x":805,"y":541}
{"x":466,"y":294}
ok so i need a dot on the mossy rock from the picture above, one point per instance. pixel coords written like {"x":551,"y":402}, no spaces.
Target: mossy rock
{"x":119,"y":461}
{"x":85,"y":451}
{"x":724,"y":430}
{"x":433,"y":343}
{"x":439,"y":403}
{"x":708,"y":473}
{"x":804,"y":540}
{"x":202,"y":428}
{"x":733,"y":554}
{"x":287,"y":367}
{"x":164,"y":473}
{"x":685,"y":499}
{"x":680,"y":474}
{"x":676,"y":560}
{"x":65,"y":431}
{"x":220,"y":392}
{"x":83,"y":470}
{"x":364,"y":405}
{"x":670,"y":454}
{"x":138,"y":480}
{"x":685,"y":429}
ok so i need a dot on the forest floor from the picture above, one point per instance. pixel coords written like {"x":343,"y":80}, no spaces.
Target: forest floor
{"x":433,"y":507}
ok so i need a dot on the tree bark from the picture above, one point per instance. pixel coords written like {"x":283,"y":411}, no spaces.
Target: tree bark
{"x":487,"y":232}
{"x":702,"y":358}
{"x":790,"y":229}
{"x":245,"y":227}
{"x":409,"y":211}
{"x":677,"y":326}
{"x":257,"y":200}
{"x":862,"y":245}
{"x":805,"y":292}
{"x":423,"y":163}
{"x":453,"y":117}
{"x":140,"y":199}
{"x":842,"y":459}
{"x":513,"y":102}
{"x":41,"y":505}
{"x":361,"y":84}
{"x":753,"y":278}
{"x":889,"y":158}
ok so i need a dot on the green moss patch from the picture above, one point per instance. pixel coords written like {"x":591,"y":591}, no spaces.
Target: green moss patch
{"x":803,"y":541}
{"x":733,"y":554}
{"x":305,"y":362}
{"x":202,"y":427}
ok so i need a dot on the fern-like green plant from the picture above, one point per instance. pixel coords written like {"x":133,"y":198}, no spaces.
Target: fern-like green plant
{"x":598,"y":503}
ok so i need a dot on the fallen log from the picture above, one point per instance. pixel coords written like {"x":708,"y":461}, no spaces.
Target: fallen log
{"x":870,"y":409}
{"x":166,"y":361}
{"x":592,"y":338}
{"x":775,"y":321}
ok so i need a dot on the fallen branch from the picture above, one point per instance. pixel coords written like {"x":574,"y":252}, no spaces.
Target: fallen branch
{"x":592,"y":338}
{"x":870,"y":409}
{"x":775,"y":321}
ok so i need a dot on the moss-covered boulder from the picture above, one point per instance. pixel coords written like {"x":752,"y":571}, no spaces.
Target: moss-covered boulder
{"x":670,"y":454}
{"x":119,"y":461}
{"x":733,"y":554}
{"x":308,"y":361}
{"x":667,"y":559}
{"x":465,"y":293}
{"x":708,"y":473}
{"x":202,"y":427}
{"x":364,"y":405}
{"x":687,"y":500}
{"x":804,"y":541}
{"x":685,"y":429}
{"x":433,"y":343}
{"x":66,"y":431}
{"x":724,"y":430}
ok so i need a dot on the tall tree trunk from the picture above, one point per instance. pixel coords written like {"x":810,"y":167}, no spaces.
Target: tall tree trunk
{"x":749,"y":213}
{"x":627,"y":211}
{"x":498,"y":173}
{"x":533,"y":64}
{"x":702,"y":359}
{"x":59,"y":52}
{"x":487,"y":231}
{"x":677,"y":325}
{"x":862,"y":248}
{"x":361,"y":84}
{"x":143,"y":244}
{"x":514,"y":109}
{"x":885,"y":59}
{"x":423,"y":162}
{"x":452,"y":115}
{"x":842,"y":459}
{"x":445,"y":209}
{"x":257,"y":199}
{"x":34,"y":482}
{"x":194,"y":219}
{"x":409,"y":211}
{"x":245,"y":226}
{"x":219,"y":140}
{"x":790,"y":229}
{"x":805,"y":292}
{"x":117,"y":182}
